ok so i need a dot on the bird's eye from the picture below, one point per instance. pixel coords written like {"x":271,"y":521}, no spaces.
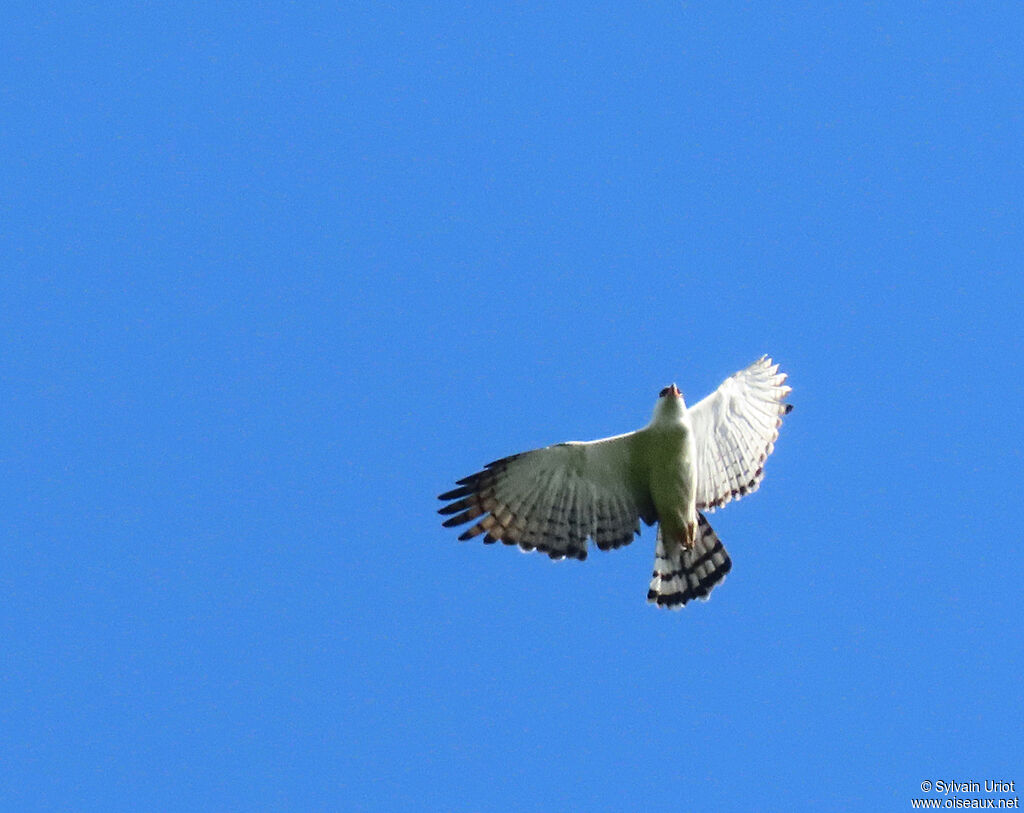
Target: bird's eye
{"x":664,"y":392}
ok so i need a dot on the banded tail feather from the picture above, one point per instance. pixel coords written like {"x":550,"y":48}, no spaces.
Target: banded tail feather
{"x":682,"y":575}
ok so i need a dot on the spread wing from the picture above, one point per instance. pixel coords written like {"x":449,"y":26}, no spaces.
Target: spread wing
{"x":733,"y":432}
{"x":554,"y":499}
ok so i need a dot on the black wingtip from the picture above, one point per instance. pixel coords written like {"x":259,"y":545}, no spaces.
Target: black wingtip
{"x":459,"y":519}
{"x":455,"y":493}
{"x":502,"y":461}
{"x":472,"y":479}
{"x":788,"y":409}
{"x":454,"y":507}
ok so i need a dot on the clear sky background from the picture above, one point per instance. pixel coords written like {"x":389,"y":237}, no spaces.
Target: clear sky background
{"x":275,"y":275}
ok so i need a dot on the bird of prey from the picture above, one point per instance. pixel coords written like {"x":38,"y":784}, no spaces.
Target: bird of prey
{"x":685,"y":461}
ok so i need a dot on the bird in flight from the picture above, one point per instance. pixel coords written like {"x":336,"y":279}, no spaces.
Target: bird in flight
{"x":686,"y":461}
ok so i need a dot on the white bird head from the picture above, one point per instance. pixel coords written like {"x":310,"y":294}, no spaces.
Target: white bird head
{"x":670,"y":404}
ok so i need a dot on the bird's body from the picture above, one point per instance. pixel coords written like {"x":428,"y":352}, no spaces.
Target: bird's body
{"x":666,"y":444}
{"x":684,"y":461}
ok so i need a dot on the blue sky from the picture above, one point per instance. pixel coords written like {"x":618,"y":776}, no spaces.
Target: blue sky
{"x":277,"y":274}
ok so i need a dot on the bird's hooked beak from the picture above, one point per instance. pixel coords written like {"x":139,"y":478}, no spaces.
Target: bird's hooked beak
{"x":674,"y":390}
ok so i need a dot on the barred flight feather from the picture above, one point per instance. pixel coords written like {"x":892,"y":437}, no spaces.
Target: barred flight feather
{"x":681,"y":575}
{"x":550,"y":500}
{"x":735,"y":429}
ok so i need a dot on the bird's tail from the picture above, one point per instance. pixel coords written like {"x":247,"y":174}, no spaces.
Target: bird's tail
{"x":682,"y":574}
